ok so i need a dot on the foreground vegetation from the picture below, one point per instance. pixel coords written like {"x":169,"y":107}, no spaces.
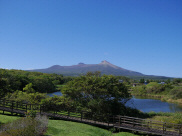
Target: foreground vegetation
{"x":67,"y":128}
{"x":13,"y":80}
{"x":167,"y":117}
{"x":24,"y":126}
{"x":93,"y":92}
{"x":170,"y":91}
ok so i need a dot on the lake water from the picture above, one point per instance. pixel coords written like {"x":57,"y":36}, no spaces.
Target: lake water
{"x":145,"y":104}
{"x":55,"y":93}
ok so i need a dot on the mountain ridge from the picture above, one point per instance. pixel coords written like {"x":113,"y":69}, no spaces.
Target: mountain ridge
{"x":104,"y":67}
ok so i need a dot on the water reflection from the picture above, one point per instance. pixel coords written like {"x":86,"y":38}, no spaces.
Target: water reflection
{"x":146,"y":105}
{"x":55,"y":93}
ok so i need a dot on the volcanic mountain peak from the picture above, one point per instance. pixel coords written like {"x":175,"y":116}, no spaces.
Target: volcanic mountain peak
{"x":104,"y":62}
{"x":104,"y":67}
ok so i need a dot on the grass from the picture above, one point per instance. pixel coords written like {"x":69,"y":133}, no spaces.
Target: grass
{"x":68,"y":128}
{"x":167,"y":117}
{"x":7,"y":118}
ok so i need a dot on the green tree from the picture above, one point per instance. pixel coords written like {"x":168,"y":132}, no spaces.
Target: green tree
{"x":177,"y":80}
{"x":142,"y":80}
{"x":43,"y":84}
{"x":176,"y":92}
{"x":154,"y":87}
{"x":98,"y":94}
{"x":139,"y":90}
{"x":28,"y":88}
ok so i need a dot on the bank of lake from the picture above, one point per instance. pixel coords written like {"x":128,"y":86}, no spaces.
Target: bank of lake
{"x":146,"y":104}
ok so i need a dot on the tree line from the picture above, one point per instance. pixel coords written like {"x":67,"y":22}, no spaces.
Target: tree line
{"x":13,"y":80}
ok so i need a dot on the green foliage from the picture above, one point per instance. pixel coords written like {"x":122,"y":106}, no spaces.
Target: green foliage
{"x":154,"y":87}
{"x":177,"y":80}
{"x":28,"y":88}
{"x":126,"y":80}
{"x":20,"y":96}
{"x":25,"y":127}
{"x":176,"y":92}
{"x":31,"y":113}
{"x":139,"y":90}
{"x":43,"y":84}
{"x":167,"y":117}
{"x":62,"y":128}
{"x":12,"y":80}
{"x":98,"y":94}
{"x":57,"y":103}
{"x":142,"y":80}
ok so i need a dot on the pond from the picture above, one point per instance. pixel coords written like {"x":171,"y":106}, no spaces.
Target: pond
{"x":146,"y":104}
{"x":55,"y":93}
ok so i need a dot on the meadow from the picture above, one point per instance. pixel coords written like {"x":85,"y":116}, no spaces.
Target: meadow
{"x":67,"y":128}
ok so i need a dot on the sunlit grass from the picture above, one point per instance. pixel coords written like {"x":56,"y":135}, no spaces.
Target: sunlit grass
{"x":68,"y":128}
{"x":7,"y":118}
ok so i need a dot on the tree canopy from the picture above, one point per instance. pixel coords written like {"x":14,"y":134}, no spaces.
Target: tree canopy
{"x":98,"y":94}
{"x":12,"y":80}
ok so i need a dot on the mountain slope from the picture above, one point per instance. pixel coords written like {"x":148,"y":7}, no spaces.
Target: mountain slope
{"x":75,"y":70}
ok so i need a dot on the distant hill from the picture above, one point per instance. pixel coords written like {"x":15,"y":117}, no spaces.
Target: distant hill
{"x":104,"y":67}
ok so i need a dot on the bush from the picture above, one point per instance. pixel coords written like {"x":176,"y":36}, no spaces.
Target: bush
{"x":31,"y":113}
{"x":139,"y":90}
{"x":176,"y":93}
{"x":154,"y":87}
{"x":27,"y":126}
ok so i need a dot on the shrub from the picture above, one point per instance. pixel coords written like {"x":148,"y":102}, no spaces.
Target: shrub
{"x":139,"y":90}
{"x":31,"y":113}
{"x":176,"y":92}
{"x":27,"y":126}
{"x":154,"y":87}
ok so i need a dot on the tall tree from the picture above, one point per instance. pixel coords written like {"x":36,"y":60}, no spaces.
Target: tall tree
{"x":98,"y":94}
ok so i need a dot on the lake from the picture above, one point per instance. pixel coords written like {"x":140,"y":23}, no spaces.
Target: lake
{"x":55,"y":93}
{"x":146,"y":104}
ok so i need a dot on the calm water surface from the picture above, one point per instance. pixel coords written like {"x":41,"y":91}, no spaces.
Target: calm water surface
{"x":55,"y":93}
{"x":146,"y":104}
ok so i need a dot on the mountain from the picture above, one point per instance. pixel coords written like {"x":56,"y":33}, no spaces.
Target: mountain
{"x":104,"y":67}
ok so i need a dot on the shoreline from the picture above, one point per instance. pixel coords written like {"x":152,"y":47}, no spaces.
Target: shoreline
{"x":163,"y":98}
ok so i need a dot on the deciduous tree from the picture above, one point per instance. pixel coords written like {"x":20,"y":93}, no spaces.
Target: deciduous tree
{"x":98,"y":94}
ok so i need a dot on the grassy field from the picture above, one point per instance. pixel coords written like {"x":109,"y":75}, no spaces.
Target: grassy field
{"x":68,"y":128}
{"x":7,"y":118}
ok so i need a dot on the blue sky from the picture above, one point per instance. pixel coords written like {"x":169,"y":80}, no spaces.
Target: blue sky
{"x":139,"y":35}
